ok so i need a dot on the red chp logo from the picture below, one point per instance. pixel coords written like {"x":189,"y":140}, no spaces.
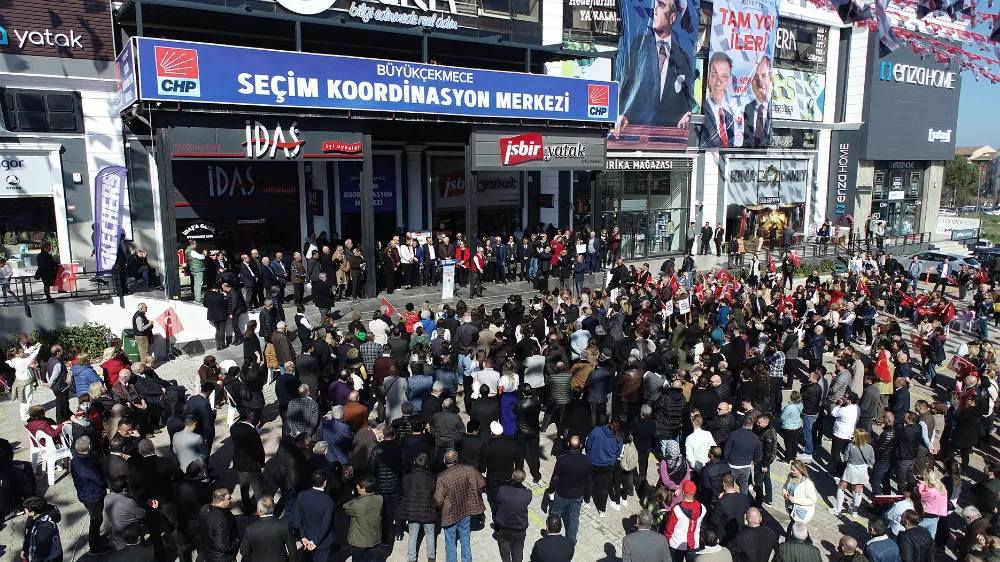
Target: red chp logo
{"x":177,"y":72}
{"x":521,"y":149}
{"x":597,"y":100}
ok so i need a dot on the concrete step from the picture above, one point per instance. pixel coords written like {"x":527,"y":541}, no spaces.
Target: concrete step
{"x":951,"y":247}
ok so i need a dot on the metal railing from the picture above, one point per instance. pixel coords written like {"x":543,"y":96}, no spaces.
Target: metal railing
{"x":25,"y":290}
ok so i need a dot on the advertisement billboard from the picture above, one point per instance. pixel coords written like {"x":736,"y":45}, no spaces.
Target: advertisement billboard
{"x":125,"y":78}
{"x":843,"y":174}
{"x":656,"y":69}
{"x":221,"y":74}
{"x":737,"y":106}
{"x":383,"y":184}
{"x":798,"y":95}
{"x":911,"y":107}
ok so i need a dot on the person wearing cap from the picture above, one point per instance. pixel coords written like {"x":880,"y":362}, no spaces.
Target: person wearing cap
{"x":496,"y":461}
{"x":683,"y":530}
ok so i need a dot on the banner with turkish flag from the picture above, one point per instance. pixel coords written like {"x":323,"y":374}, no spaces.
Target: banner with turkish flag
{"x":963,"y":367}
{"x":863,"y":287}
{"x":723,"y":276}
{"x":170,"y":322}
{"x":917,"y":342}
{"x":389,"y":309}
{"x":674,"y":284}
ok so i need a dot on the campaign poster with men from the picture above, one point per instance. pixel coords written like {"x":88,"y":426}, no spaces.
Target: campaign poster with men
{"x":656,"y":70}
{"x":737,"y":107}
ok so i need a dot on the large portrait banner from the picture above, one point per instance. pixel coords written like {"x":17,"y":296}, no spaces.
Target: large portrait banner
{"x":738,"y":101}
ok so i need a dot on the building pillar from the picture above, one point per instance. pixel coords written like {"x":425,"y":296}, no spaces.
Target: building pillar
{"x":368,"y":215}
{"x":414,"y":188}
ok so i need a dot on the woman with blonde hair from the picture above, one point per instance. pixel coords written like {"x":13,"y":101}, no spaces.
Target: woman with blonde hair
{"x":800,"y":493}
{"x":934,"y":496}
{"x":859,"y":456}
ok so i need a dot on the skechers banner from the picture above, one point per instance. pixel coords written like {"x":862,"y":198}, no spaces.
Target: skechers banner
{"x":196,"y":72}
{"x":109,"y":202}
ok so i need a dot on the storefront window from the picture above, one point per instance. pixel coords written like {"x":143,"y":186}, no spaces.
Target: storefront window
{"x":583,"y":206}
{"x":765,"y":194}
{"x":26,"y":222}
{"x":896,"y":195}
{"x":448,"y":183}
{"x":648,"y":205}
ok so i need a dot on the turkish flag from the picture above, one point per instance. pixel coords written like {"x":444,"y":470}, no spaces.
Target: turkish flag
{"x":723,"y":276}
{"x":170,"y":322}
{"x":389,"y":309}
{"x":882,"y":370}
{"x":674,"y":284}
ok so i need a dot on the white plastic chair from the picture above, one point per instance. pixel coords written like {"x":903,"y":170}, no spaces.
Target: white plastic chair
{"x":51,"y":452}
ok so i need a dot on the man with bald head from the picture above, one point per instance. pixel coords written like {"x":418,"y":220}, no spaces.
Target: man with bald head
{"x":570,"y":480}
{"x":755,"y":543}
{"x":848,"y":550}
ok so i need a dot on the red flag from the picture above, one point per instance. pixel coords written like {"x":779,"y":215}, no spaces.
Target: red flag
{"x":948,"y":314}
{"x":982,"y":277}
{"x":962,"y":367}
{"x":699,"y":292}
{"x":863,"y":287}
{"x":918,"y":344}
{"x":389,"y":309}
{"x":674,"y":284}
{"x":170,"y":323}
{"x":882,"y":370}
{"x":723,"y":276}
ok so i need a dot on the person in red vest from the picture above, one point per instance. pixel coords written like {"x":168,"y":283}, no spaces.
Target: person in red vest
{"x":476,"y":278}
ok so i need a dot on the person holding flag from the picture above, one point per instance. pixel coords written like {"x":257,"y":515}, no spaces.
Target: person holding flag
{"x":944,"y":271}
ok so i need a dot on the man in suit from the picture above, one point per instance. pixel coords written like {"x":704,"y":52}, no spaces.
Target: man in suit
{"x":706,"y":239}
{"x":757,"y":113}
{"x":188,"y":445}
{"x":429,"y":260}
{"x":315,"y":510}
{"x":281,"y":275}
{"x":268,"y":539}
{"x":116,"y":464}
{"x":267,"y":276}
{"x":249,"y":279}
{"x":200,"y":408}
{"x":248,"y":459}
{"x":717,"y":130}
{"x":657,"y":76}
{"x":322,"y":295}
{"x":643,"y":544}
{"x":134,"y":550}
{"x":554,"y":547}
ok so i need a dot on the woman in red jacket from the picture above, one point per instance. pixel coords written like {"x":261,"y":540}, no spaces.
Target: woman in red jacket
{"x":463,"y":257}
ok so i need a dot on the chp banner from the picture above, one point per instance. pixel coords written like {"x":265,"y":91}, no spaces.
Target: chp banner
{"x":656,"y":68}
{"x":109,"y":207}
{"x":172,"y":71}
{"x":737,"y":107}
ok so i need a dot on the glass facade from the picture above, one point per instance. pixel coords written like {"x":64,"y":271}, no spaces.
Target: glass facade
{"x":649,"y":206}
{"x":897,"y":192}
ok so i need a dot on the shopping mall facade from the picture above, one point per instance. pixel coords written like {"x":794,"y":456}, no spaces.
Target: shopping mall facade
{"x":250,"y":124}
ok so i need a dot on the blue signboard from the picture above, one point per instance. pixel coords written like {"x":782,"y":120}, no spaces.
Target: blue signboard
{"x":125,"y":73}
{"x":198,"y":72}
{"x":964,"y":233}
{"x":384,"y":184}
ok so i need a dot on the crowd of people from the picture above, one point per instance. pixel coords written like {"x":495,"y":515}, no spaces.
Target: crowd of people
{"x":406,"y":423}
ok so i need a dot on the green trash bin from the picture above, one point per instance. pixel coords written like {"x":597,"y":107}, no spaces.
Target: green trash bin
{"x":130,"y":347}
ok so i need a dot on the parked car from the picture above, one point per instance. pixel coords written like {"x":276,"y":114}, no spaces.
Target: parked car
{"x":931,"y":258}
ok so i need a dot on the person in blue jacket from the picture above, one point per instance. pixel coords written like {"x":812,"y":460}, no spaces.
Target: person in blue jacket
{"x":604,"y":447}
{"x":90,"y":490}
{"x":84,"y":375}
{"x":580,"y":269}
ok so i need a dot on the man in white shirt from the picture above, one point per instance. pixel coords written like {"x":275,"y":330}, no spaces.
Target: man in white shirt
{"x":697,"y":445}
{"x":488,"y":376}
{"x":379,"y":329}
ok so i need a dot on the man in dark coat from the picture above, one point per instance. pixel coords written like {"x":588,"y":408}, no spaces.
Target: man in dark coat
{"x":218,"y":533}
{"x":315,"y":514}
{"x":322,"y":295}
{"x":756,"y":542}
{"x":47,"y":270}
{"x":236,"y":306}
{"x":268,"y":539}
{"x":248,"y":459}
{"x":553,"y":547}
